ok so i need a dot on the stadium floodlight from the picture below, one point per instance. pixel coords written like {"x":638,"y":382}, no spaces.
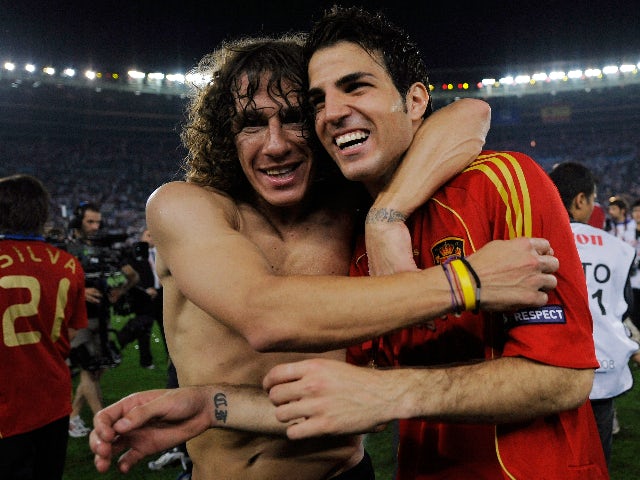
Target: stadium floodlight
{"x":574,"y":74}
{"x":593,"y":72}
{"x":610,"y":69}
{"x":9,"y":66}
{"x":520,"y":79}
{"x":30,"y":67}
{"x":508,"y":80}
{"x":135,"y":75}
{"x":155,"y":76}
{"x":557,"y":75}
{"x":488,"y":81}
{"x":175,"y":77}
{"x":540,"y":77}
{"x":90,"y":74}
{"x":49,"y":71}
{"x":69,"y":72}
{"x":626,"y":68}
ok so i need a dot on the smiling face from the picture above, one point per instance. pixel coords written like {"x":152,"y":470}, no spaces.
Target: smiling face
{"x":272,"y":151}
{"x":361,"y":119}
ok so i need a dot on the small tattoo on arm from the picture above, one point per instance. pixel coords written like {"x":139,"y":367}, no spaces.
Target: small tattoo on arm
{"x":384,"y":215}
{"x":220,"y":404}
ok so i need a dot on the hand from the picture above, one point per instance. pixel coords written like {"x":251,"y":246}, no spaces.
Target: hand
{"x":152,"y":292}
{"x":114,"y":294}
{"x":148,"y":422}
{"x":329,"y":397}
{"x":515,"y":273}
{"x":389,"y":248}
{"x":92,"y":295}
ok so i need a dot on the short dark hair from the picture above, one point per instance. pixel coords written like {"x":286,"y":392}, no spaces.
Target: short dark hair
{"x":24,"y":205}
{"x":618,"y":202}
{"x":375,"y":34}
{"x":571,"y":179}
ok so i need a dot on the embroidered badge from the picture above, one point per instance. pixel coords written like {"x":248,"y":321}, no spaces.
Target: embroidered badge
{"x":450,"y":247}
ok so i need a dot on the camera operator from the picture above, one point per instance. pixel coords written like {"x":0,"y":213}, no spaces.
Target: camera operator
{"x":106,"y":280}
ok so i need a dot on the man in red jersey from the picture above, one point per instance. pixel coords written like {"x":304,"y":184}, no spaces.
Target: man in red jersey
{"x":505,"y":396}
{"x":42,"y":300}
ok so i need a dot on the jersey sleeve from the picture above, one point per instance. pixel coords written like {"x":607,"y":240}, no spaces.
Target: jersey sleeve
{"x":521,"y":200}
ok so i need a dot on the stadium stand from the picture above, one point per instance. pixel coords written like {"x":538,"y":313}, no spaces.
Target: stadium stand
{"x":116,"y":145}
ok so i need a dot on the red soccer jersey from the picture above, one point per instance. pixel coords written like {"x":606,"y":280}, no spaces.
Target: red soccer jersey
{"x":502,"y":195}
{"x":41,"y":297}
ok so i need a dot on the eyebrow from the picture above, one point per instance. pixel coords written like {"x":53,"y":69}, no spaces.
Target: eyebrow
{"x":342,"y":81}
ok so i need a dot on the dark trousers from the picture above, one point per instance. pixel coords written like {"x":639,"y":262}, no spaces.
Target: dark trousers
{"x":603,"y":411}
{"x":36,"y":455}
{"x":138,"y":328}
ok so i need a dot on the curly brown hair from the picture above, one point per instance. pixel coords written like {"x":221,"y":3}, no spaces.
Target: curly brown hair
{"x":208,"y":133}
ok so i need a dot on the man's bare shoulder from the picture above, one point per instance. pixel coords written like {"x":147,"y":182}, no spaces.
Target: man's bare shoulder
{"x":175,"y":200}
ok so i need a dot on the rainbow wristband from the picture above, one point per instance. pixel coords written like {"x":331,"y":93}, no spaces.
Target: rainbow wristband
{"x":468,"y":292}
{"x":456,"y":307}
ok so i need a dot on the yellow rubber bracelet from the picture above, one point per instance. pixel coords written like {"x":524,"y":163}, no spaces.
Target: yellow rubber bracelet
{"x":468,"y":292}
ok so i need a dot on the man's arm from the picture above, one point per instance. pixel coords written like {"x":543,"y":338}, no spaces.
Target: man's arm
{"x":222,"y":272}
{"x":338,"y":398}
{"x":446,"y":142}
{"x":149,"y":422}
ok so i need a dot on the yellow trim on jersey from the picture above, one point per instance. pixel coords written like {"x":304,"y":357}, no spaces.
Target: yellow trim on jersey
{"x":502,"y":465}
{"x":518,"y":217}
{"x":460,"y":219}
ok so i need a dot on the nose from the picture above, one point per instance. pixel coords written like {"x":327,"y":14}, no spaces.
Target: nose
{"x":335,"y":108}
{"x":276,"y":143}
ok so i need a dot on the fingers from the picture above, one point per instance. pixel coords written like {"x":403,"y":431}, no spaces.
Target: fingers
{"x":102,"y":451}
{"x":128,"y":459}
{"x":284,"y":373}
{"x":541,"y":245}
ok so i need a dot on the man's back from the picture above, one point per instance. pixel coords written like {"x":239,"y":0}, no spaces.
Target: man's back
{"x":206,"y":350}
{"x":606,"y":261}
{"x":42,"y":290}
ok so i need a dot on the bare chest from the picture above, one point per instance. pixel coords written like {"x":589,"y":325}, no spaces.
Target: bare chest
{"x":318,"y":246}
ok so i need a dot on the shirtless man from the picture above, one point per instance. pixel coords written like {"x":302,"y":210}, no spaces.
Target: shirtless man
{"x":251,"y":265}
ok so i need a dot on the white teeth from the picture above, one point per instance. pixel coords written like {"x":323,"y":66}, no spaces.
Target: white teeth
{"x":350,"y":137}
{"x":278,"y":171}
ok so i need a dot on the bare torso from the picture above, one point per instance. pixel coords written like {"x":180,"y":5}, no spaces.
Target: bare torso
{"x":206,"y":351}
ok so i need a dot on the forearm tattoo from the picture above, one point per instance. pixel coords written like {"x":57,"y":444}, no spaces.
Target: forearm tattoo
{"x":220,"y":405}
{"x":384,"y":215}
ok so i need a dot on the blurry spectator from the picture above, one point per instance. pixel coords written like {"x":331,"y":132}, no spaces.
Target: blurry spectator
{"x":43,"y":300}
{"x":635,"y":276}
{"x":606,"y":261}
{"x":621,"y":225}
{"x":105,"y":283}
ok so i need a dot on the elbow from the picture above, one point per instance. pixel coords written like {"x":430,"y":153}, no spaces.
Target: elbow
{"x":267,"y":334}
{"x":480,"y":112}
{"x":582,"y":385}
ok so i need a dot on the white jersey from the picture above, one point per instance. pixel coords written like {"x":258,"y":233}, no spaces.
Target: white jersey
{"x":606,"y":261}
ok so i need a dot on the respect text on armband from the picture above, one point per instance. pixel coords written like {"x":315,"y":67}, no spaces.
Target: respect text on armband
{"x":543,"y":315}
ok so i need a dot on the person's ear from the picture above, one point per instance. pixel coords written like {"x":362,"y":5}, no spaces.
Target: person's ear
{"x":581,"y":200}
{"x":417,"y":100}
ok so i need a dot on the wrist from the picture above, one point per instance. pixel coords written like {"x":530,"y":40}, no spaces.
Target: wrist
{"x":377,"y":215}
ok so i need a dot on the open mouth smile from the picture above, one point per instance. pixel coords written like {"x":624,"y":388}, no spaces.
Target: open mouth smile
{"x":351,"y":139}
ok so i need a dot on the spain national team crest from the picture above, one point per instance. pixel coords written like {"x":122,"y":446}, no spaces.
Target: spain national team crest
{"x":450,"y":247}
